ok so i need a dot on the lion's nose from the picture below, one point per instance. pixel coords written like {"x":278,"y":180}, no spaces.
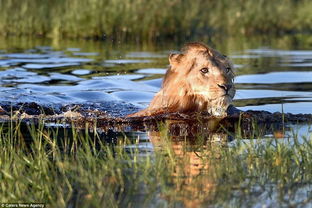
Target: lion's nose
{"x":225,"y":87}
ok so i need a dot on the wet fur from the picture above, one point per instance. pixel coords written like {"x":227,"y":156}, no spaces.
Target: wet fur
{"x":184,"y":88}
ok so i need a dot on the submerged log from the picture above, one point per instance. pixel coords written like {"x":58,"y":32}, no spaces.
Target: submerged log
{"x":177,"y":124}
{"x":81,"y":112}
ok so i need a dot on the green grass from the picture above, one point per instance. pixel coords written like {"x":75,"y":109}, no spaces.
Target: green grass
{"x":147,"y":20}
{"x":64,"y":167}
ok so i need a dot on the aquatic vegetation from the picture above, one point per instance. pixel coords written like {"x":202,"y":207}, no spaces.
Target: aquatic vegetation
{"x":70,"y":166}
{"x":138,"y":20}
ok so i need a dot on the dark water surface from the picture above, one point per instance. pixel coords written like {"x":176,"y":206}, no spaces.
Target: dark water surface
{"x":272,"y":74}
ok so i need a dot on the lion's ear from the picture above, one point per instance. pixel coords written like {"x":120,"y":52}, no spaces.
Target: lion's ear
{"x":174,"y":59}
{"x":210,"y":52}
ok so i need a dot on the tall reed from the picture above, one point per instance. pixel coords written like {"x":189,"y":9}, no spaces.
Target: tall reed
{"x":146,"y":20}
{"x":70,"y":167}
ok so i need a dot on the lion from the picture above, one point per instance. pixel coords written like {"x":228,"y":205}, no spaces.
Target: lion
{"x":199,"y":79}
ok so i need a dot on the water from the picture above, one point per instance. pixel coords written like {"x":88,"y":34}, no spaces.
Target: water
{"x":272,"y":75}
{"x":268,"y":78}
{"x":285,"y":82}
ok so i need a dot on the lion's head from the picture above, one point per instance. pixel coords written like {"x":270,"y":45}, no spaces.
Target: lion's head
{"x":199,"y":79}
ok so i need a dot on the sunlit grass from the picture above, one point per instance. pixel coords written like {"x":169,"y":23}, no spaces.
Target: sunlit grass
{"x":64,"y":167}
{"x":146,"y":20}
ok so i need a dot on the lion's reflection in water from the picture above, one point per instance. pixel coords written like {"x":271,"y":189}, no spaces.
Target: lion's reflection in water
{"x":195,"y":151}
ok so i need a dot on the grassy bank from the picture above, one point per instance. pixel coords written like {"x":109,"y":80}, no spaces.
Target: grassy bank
{"x":65,"y":167}
{"x":146,"y":20}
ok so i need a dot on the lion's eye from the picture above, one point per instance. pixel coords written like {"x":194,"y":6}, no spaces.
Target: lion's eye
{"x":204,"y":70}
{"x":228,"y":69}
